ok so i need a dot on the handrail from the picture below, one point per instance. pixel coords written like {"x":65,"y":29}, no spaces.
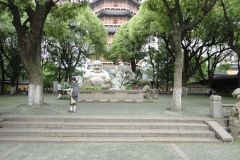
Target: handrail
{"x":227,"y":105}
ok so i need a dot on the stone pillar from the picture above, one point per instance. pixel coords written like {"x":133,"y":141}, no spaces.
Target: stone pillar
{"x":216,"y":106}
{"x":55,"y":86}
{"x":154,"y":93}
{"x":184,"y":91}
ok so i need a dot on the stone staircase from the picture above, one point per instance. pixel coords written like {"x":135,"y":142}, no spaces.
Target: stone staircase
{"x":104,"y":128}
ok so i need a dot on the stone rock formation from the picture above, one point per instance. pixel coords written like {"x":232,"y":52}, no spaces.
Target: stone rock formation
{"x":123,"y":74}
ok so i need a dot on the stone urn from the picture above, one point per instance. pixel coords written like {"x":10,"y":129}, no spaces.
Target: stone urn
{"x":235,"y":116}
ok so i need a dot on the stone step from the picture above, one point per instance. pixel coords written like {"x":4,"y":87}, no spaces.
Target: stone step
{"x":102,"y":118}
{"x":48,"y":132}
{"x":105,"y":125}
{"x":108,"y":139}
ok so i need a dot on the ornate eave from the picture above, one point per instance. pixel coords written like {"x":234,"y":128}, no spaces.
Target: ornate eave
{"x":133,"y":1}
{"x":112,"y":30}
{"x":114,"y":13}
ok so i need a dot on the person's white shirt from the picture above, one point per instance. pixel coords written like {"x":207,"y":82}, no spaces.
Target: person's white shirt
{"x":59,"y":86}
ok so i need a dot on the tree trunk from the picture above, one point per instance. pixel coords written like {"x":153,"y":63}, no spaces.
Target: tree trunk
{"x":178,"y":67}
{"x":17,"y":81}
{"x":31,"y":56}
{"x":184,"y":81}
{"x":3,"y":75}
{"x":70,"y":76}
{"x":238,"y":85}
{"x":185,"y":70}
{"x":2,"y":70}
{"x":35,"y":91}
{"x":210,"y":81}
{"x":157,"y":78}
{"x":133,"y":65}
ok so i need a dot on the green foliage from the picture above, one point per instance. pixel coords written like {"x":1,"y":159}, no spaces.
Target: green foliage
{"x":137,"y":83}
{"x":123,"y":47}
{"x":144,"y":82}
{"x":77,"y":24}
{"x":64,"y":97}
{"x":50,"y":71}
{"x":128,"y":86}
{"x":6,"y":27}
{"x":237,"y":141}
{"x":223,"y":67}
{"x":92,"y":88}
{"x":73,"y":33}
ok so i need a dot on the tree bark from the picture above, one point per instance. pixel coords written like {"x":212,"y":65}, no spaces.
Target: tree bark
{"x":3,"y":75}
{"x":238,"y":71}
{"x":178,"y":67}
{"x":31,"y":52}
{"x":133,"y":65}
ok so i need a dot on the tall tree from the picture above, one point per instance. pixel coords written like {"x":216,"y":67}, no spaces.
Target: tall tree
{"x":29,"y":32}
{"x":183,"y":16}
{"x":231,"y":12}
{"x":14,"y":66}
{"x":9,"y":53}
{"x":74,"y":35}
{"x":124,"y":48}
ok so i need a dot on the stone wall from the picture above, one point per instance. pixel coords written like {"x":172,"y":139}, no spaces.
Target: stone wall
{"x":112,"y":95}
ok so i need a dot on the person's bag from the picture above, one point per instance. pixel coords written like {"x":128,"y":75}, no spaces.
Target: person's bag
{"x":73,"y":101}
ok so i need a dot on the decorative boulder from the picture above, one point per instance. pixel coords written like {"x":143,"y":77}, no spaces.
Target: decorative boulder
{"x":123,"y":74}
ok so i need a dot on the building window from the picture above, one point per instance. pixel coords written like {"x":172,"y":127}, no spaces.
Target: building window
{"x":115,"y":21}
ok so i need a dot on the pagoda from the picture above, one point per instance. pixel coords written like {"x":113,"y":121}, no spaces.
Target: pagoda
{"x":113,"y":13}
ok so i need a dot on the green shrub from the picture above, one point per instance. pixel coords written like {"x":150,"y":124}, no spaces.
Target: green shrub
{"x":92,"y":88}
{"x":144,"y":82}
{"x":237,"y":141}
{"x":64,"y":97}
{"x":134,"y":82}
{"x":128,"y":86}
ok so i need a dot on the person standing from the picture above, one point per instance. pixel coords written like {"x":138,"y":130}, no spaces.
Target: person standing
{"x":73,"y":95}
{"x":59,"y":88}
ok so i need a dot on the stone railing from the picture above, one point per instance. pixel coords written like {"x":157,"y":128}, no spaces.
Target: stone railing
{"x":232,"y":118}
{"x":198,"y":90}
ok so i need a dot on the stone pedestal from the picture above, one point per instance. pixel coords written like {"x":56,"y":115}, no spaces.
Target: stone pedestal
{"x":216,"y":106}
{"x":154,"y":93}
{"x":55,"y":83}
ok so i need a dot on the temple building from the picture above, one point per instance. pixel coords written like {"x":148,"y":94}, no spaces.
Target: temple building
{"x":113,"y":13}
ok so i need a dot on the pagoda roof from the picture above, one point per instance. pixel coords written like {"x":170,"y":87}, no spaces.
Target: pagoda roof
{"x":115,"y":13}
{"x":134,"y":1}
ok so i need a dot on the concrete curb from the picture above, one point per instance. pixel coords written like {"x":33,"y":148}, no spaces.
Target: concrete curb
{"x":113,"y":101}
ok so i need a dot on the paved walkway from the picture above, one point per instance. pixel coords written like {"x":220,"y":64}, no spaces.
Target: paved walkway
{"x":192,"y":106}
{"x":119,"y":151}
